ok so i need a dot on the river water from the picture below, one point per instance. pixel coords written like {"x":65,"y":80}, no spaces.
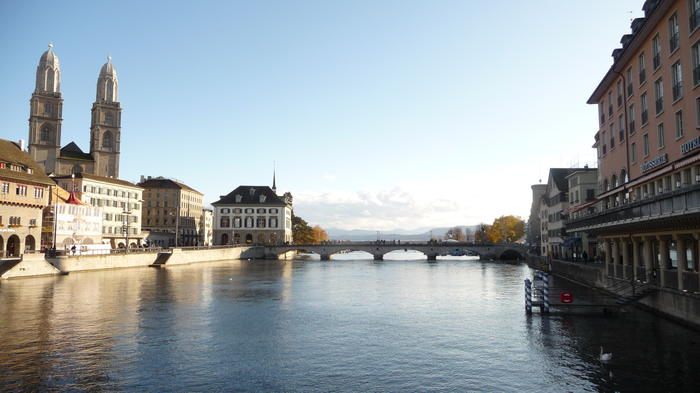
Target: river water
{"x":309,"y":326}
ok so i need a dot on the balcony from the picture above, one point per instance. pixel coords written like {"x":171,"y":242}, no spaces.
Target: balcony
{"x":677,"y":91}
{"x":668,"y":208}
{"x":659,"y":105}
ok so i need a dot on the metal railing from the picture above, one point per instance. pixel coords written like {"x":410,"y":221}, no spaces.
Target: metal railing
{"x":673,"y":42}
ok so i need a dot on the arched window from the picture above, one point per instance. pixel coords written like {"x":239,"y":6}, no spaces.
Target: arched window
{"x":606,"y":187}
{"x":613,"y":181}
{"x":46,"y":133}
{"x":107,"y":139}
{"x":623,"y":176}
{"x":224,"y":239}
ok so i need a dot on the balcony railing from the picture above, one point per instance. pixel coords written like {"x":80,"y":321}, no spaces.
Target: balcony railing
{"x":684,"y":201}
{"x":677,"y":91}
{"x":673,"y":42}
{"x":657,"y":61}
{"x":659,"y":105}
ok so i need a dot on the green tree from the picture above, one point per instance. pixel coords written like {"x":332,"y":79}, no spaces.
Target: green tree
{"x":301,"y":231}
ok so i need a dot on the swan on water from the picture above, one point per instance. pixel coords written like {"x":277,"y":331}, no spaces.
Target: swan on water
{"x":605,"y":356}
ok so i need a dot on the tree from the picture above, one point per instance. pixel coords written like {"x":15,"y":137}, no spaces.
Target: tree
{"x":469,"y":235}
{"x":481,"y":233}
{"x":455,"y":234}
{"x":506,"y":229}
{"x":301,"y":231}
{"x":319,"y":235}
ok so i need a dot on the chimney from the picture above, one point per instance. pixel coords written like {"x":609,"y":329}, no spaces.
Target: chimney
{"x":22,"y":145}
{"x":142,"y":179}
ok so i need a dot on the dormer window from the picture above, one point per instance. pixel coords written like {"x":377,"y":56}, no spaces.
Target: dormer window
{"x":252,"y":191}
{"x":262,"y":198}
{"x":30,"y":171}
{"x":239,"y":197}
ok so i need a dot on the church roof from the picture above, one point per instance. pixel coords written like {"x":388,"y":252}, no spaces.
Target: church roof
{"x":163,"y":182}
{"x":72,"y":150}
{"x":10,"y":153}
{"x":250,"y":195}
{"x":108,"y":69}
{"x":49,"y":59}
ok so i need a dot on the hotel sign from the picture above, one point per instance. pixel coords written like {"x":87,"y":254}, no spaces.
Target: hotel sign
{"x":651,"y":164}
{"x":690,"y":145}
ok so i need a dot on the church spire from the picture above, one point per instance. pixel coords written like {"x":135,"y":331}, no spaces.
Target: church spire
{"x":48,"y":73}
{"x":108,"y":83}
{"x":274,"y":183}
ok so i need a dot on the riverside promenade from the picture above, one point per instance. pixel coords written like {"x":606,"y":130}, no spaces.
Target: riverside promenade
{"x":39,"y":264}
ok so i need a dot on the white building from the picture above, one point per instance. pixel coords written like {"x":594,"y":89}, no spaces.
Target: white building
{"x":253,"y":214}
{"x":206,"y":230}
{"x":121,"y":204}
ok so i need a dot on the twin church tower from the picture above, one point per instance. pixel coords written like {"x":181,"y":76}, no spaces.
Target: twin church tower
{"x":45,"y":117}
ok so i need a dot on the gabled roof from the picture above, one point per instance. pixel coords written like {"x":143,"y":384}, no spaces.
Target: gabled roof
{"x":72,"y":150}
{"x":558,"y":176}
{"x":101,"y":178}
{"x":162,"y":182}
{"x":11,"y":153}
{"x":250,"y":195}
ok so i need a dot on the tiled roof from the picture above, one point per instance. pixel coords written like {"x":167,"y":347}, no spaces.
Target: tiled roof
{"x":101,"y":178}
{"x":10,"y":153}
{"x":250,"y":195}
{"x":72,"y":150}
{"x":162,"y":182}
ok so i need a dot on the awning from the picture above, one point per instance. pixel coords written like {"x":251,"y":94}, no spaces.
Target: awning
{"x":580,"y":207}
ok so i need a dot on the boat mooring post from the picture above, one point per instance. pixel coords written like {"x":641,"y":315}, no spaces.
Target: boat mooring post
{"x":545,"y":292}
{"x":528,"y":296}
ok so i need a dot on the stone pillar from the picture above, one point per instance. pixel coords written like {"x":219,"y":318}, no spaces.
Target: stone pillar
{"x":682,"y":259}
{"x":648,"y":258}
{"x":432,"y":257}
{"x":625,"y":256}
{"x":616,"y":256}
{"x":608,"y":256}
{"x":325,"y":257}
{"x":663,"y":259}
{"x":378,"y":257}
{"x":635,"y":257}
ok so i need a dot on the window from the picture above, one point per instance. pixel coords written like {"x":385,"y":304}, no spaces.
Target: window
{"x":109,"y":119}
{"x":697,"y":112}
{"x":601,"y":110}
{"x":236,"y":222}
{"x":632,"y":116}
{"x":619,"y":93}
{"x":642,"y":69}
{"x":645,"y":146}
{"x":661,"y":136}
{"x":261,"y":222}
{"x":249,"y":222}
{"x":679,"y":124}
{"x":673,"y":33}
{"x":5,"y":188}
{"x":107,"y":140}
{"x":677,"y":80}
{"x":249,"y":211}
{"x":262,"y":211}
{"x":645,"y":108}
{"x":659,"y":94}
{"x":274,"y":211}
{"x":610,"y":103}
{"x":21,"y":190}
{"x":622,"y":128}
{"x":48,"y":108}
{"x":46,"y":133}
{"x":656,"y":51}
{"x":694,"y":6}
{"x":38,"y":192}
{"x":629,"y":82}
{"x":612,"y":137}
{"x":695,"y":55}
{"x":633,"y":152}
{"x":225,"y":222}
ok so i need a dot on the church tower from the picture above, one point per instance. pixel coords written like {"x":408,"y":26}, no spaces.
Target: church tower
{"x":105,"y":128}
{"x":45,"y":111}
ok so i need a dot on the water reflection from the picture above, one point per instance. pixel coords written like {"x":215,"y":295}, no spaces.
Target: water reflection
{"x":355,"y":325}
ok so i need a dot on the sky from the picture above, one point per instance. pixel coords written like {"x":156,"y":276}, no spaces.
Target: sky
{"x":377,"y":115}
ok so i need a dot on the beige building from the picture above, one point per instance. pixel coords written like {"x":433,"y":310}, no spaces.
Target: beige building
{"x":120,"y":202}
{"x":24,"y":193}
{"x":583,"y":185}
{"x":172,"y":207}
{"x":647,"y":215}
{"x":253,"y":214}
{"x":46,"y":117}
{"x":207,"y":227}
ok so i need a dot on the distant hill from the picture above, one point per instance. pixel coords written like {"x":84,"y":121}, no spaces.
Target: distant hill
{"x":358,"y":235}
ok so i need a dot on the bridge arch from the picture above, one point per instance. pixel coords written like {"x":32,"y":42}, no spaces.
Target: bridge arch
{"x":511,"y":255}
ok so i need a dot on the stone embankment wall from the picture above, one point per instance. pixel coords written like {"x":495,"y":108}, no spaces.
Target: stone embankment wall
{"x":31,"y":265}
{"x":681,"y":306}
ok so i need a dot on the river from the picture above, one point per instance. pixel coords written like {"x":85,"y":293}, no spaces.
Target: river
{"x":401,"y":325}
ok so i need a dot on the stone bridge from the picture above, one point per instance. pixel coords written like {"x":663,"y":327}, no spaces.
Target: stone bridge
{"x":431,"y":250}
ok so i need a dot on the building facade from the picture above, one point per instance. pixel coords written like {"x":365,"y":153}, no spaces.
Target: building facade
{"x":171,"y":207}
{"x":121,"y":203}
{"x":647,"y":213}
{"x":534,"y":236}
{"x":253,"y":215}
{"x":553,"y":203}
{"x":206,"y":229}
{"x":77,"y":223}
{"x":46,"y":117}
{"x":583,"y":186}
{"x":24,"y":193}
